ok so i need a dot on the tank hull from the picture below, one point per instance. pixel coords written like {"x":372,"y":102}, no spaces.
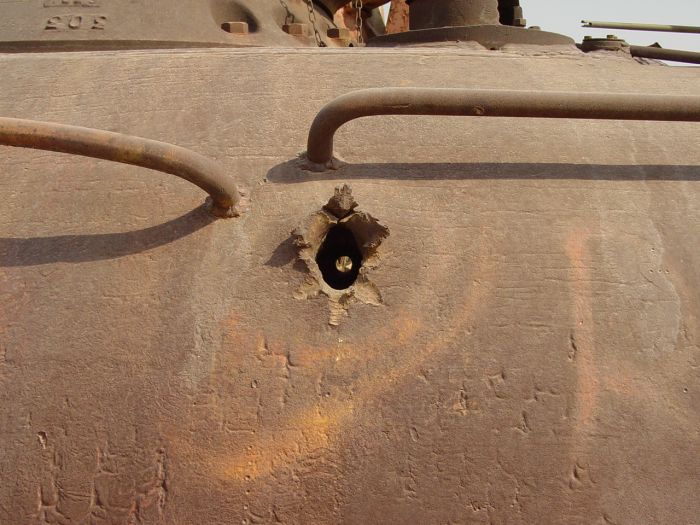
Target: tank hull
{"x":533,"y":359}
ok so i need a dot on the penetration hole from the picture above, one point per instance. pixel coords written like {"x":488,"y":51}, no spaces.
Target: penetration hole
{"x":339,"y":258}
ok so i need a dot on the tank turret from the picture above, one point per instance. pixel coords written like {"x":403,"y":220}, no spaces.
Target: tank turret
{"x":491,"y":23}
{"x":261,"y":262}
{"x":55,"y":25}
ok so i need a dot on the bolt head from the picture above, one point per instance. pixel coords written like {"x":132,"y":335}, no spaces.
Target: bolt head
{"x":236,"y":27}
{"x":295,"y":29}
{"x":343,"y":264}
{"x":338,"y":32}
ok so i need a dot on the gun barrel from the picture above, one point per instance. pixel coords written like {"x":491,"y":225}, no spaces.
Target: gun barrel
{"x":658,"y":53}
{"x":642,"y":27}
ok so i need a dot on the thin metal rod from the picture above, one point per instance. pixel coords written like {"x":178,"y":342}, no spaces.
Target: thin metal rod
{"x":477,"y":103}
{"x":126,"y":149}
{"x":659,"y":53}
{"x":641,"y":27}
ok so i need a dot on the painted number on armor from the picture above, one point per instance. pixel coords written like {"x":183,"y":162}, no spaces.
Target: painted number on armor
{"x":73,"y":22}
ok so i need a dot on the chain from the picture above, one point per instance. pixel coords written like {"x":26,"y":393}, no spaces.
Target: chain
{"x":357,"y":4}
{"x":312,"y":19}
{"x":289,"y":17}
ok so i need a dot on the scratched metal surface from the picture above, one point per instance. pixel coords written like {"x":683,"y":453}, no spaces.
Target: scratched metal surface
{"x":535,"y":359}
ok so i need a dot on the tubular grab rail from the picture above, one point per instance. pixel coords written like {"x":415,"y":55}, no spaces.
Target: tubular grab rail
{"x":493,"y":103}
{"x":126,"y":149}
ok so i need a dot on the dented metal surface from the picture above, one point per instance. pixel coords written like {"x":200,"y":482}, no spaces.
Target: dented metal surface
{"x":528,"y":351}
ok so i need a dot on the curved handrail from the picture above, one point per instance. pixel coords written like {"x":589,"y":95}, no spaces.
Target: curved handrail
{"x":126,"y":149}
{"x":494,"y":103}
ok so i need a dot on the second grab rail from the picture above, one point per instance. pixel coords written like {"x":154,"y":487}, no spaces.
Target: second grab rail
{"x":493,"y":103}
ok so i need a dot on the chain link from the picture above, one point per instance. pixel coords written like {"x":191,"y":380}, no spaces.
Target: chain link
{"x":312,"y":19}
{"x":289,"y":17}
{"x":357,"y":4}
{"x":359,"y":22}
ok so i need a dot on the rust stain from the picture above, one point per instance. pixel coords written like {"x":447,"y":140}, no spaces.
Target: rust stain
{"x":582,"y":337}
{"x":3,"y":329}
{"x":317,"y":424}
{"x":274,"y":452}
{"x":321,"y":426}
{"x":398,"y":17}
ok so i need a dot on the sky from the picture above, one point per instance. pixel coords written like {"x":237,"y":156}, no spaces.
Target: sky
{"x":564,"y":16}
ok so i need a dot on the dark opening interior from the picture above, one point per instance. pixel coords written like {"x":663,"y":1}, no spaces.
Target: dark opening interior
{"x":506,"y":11}
{"x":339,"y":242}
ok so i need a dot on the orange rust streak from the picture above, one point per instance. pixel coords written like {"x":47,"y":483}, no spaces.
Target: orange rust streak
{"x":583,"y":332}
{"x":317,"y":427}
{"x":315,"y":424}
{"x":398,"y":17}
